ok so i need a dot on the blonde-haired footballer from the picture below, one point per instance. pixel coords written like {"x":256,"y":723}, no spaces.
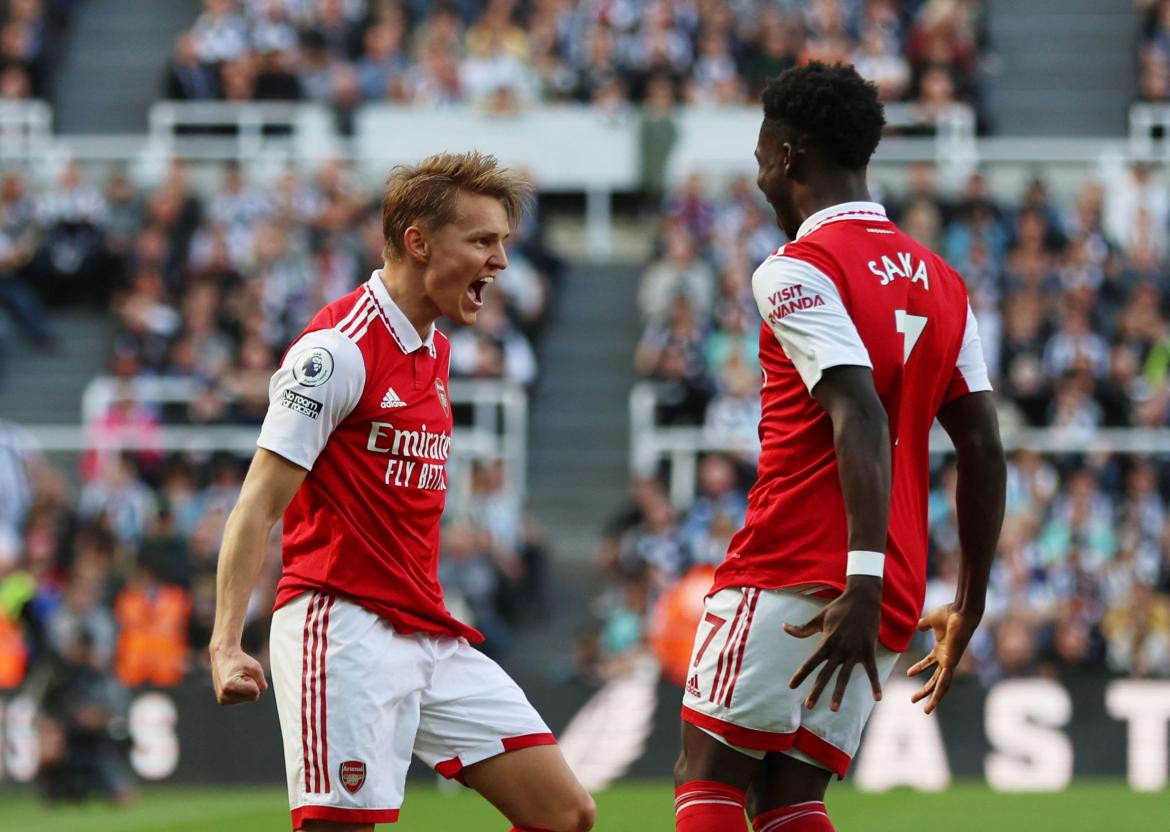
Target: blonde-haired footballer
{"x":367,"y":663}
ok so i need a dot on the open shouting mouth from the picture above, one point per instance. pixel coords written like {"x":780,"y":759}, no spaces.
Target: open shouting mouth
{"x":476,"y":289}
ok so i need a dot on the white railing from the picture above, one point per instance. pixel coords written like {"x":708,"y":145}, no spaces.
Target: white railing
{"x":25,"y":128}
{"x":1149,"y":131}
{"x":251,"y":131}
{"x":651,"y":444}
{"x":496,"y":427}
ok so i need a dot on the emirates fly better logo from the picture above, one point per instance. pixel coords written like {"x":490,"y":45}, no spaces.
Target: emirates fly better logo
{"x":352,"y":774}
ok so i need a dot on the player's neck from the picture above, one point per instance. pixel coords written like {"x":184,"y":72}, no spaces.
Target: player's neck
{"x":410,"y":297}
{"x":825,"y":192}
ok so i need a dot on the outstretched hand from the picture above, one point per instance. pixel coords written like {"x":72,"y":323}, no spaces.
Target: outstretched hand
{"x":850,"y":626}
{"x":952,"y":631}
{"x":236,"y":676}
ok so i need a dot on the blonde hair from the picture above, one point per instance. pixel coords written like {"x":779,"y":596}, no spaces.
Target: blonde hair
{"x":427,"y":194}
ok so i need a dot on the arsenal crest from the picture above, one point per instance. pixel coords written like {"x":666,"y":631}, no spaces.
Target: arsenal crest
{"x":352,"y":775}
{"x":442,"y":396}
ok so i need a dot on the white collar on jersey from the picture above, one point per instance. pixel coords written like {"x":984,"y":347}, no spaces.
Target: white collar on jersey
{"x":400,"y":326}
{"x":842,"y":211}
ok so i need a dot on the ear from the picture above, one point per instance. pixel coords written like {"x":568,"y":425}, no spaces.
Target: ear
{"x":416,"y":245}
{"x":792,"y":158}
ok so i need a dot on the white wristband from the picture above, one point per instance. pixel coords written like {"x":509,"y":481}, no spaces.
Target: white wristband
{"x":862,"y":562}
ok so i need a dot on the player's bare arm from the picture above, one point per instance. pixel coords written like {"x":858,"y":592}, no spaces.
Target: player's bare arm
{"x":850,"y":623}
{"x":267,"y":490}
{"x":971,"y":423}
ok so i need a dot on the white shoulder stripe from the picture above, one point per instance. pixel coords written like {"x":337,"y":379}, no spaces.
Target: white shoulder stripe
{"x":362,"y":300}
{"x":357,"y":336}
{"x":361,"y":321}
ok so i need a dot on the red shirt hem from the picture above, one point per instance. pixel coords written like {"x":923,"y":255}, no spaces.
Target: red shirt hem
{"x":403,"y":621}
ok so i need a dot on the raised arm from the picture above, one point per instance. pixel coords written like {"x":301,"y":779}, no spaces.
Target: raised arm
{"x":850,"y":623}
{"x":268,"y":488}
{"x":972,"y":424}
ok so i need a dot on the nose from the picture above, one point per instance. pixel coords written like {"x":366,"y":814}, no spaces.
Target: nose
{"x":500,"y":257}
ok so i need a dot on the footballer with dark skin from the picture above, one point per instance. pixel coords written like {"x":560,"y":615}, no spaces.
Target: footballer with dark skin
{"x":800,"y":177}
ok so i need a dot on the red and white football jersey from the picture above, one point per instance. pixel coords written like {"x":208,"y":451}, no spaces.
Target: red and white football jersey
{"x":851,"y":289}
{"x":361,"y":402}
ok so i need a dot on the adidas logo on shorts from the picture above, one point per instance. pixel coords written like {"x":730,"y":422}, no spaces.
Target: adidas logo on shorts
{"x":693,"y":685}
{"x":391,"y":400}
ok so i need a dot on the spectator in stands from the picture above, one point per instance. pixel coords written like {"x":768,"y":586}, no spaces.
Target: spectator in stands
{"x":655,"y":547}
{"x":18,"y":245}
{"x":1137,"y":634}
{"x":15,"y":84}
{"x":494,"y":347}
{"x":434,"y":80}
{"x":220,"y":33}
{"x":188,"y":78}
{"x":271,"y":29}
{"x":469,"y":573}
{"x":1137,"y":211}
{"x":879,"y":59}
{"x":733,"y":414}
{"x":383,"y":63}
{"x":275,"y":79}
{"x":773,"y":50}
{"x":73,"y":215}
{"x":120,"y":501}
{"x":658,"y":133}
{"x":671,"y":353}
{"x":720,"y":505}
{"x":680,"y":272}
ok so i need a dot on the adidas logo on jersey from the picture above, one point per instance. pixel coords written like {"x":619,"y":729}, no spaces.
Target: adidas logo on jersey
{"x":693,"y":685}
{"x":391,"y":400}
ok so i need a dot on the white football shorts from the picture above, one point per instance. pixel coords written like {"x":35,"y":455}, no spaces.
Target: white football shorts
{"x":356,"y":698}
{"x":737,"y":686}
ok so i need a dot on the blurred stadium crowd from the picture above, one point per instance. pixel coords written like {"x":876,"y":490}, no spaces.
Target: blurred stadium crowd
{"x":503,"y":54}
{"x":1073,"y":312}
{"x":1154,"y":49}
{"x":30,"y":43}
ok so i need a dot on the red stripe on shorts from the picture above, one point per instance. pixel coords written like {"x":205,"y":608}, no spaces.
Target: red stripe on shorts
{"x":333,"y":813}
{"x":732,"y":645}
{"x":305,"y":727}
{"x":324,"y":735}
{"x":452,"y":769}
{"x":726,"y":644}
{"x":315,"y":694}
{"x":747,"y":628}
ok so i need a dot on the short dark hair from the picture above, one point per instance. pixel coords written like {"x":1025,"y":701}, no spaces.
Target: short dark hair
{"x":831,"y":104}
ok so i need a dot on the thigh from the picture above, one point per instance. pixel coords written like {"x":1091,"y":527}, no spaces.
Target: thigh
{"x":471,"y":710}
{"x":784,"y":780}
{"x":705,"y":755}
{"x":348,"y":690}
{"x":532,"y":787}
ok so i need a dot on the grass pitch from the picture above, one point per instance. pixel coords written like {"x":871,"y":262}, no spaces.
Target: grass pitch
{"x":629,"y":807}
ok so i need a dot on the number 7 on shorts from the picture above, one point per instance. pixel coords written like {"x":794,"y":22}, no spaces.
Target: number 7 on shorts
{"x":709,"y":618}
